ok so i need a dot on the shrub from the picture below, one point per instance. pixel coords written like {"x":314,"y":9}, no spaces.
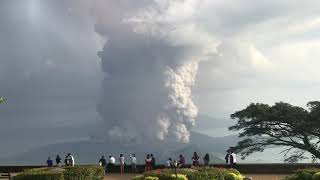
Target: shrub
{"x":84,"y":173}
{"x":151,"y":178}
{"x":69,"y":173}
{"x":300,"y":175}
{"x":316,"y":176}
{"x":233,"y":176}
{"x":179,"y":177}
{"x":141,"y":177}
{"x":39,"y":175}
{"x":197,"y":173}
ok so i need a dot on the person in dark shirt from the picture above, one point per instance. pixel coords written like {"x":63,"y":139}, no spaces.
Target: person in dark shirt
{"x":58,"y":161}
{"x":49,"y":162}
{"x":195,"y":159}
{"x":227,"y":157}
{"x":206,"y":159}
{"x":103,"y":163}
{"x":66,"y":161}
{"x":182,"y":161}
{"x":153,"y":162}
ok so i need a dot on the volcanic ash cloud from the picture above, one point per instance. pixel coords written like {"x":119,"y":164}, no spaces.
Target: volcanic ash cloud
{"x":149,"y":70}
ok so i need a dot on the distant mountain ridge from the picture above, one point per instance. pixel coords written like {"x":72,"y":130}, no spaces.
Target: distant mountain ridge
{"x":88,"y":152}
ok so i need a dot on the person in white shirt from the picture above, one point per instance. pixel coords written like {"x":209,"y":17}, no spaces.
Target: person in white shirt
{"x":233,"y":159}
{"x":112,"y":162}
{"x":168,"y":163}
{"x":70,"y":160}
{"x":133,"y":162}
{"x":121,"y":162}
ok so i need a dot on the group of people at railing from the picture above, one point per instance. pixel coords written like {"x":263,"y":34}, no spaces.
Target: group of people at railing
{"x":69,"y":161}
{"x":150,"y":161}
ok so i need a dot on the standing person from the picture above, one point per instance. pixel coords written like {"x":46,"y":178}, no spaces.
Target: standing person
{"x":71,"y":160}
{"x":133,"y":163}
{"x":58,"y":161}
{"x":182,"y":161}
{"x":168,"y":163}
{"x":195,"y":159}
{"x":67,"y":161}
{"x":49,"y":162}
{"x":103,"y":163}
{"x":153,"y":162}
{"x":233,"y":159}
{"x":227,"y":157}
{"x":148,"y":163}
{"x":112,"y":162}
{"x":206,"y":159}
{"x":121,"y":162}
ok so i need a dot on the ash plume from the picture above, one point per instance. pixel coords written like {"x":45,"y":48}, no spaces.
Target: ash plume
{"x":150,"y":60}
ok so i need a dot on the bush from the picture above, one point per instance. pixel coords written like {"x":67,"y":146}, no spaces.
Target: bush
{"x":40,"y":174}
{"x":303,"y":174}
{"x":179,"y":177}
{"x":151,"y":178}
{"x":316,"y":176}
{"x":233,"y":176}
{"x":198,"y":173}
{"x":84,"y":173}
{"x":141,"y":177}
{"x":69,"y":173}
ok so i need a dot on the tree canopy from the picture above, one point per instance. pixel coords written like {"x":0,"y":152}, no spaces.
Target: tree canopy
{"x":282,"y":124}
{"x":1,"y":100}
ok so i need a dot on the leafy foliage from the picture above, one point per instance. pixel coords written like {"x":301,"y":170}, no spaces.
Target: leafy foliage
{"x":2,"y":100}
{"x":84,"y":173}
{"x":198,"y":173}
{"x":40,"y":174}
{"x":282,"y":124}
{"x":305,"y":174}
{"x":69,"y":173}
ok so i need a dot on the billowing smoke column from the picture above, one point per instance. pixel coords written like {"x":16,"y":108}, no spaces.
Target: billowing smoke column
{"x":149,"y":69}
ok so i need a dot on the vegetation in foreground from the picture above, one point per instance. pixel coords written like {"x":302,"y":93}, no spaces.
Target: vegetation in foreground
{"x":305,"y":174}
{"x":200,"y":173}
{"x":68,"y":173}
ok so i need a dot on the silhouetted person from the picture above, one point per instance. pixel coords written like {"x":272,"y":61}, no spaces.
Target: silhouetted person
{"x":182,"y":161}
{"x":121,"y":162}
{"x":195,"y":159}
{"x":70,"y":160}
{"x":133,"y":163}
{"x":49,"y":162}
{"x":58,"y":161}
{"x":227,"y":157}
{"x":153,"y":162}
{"x":206,"y":159}
{"x":148,"y":163}
{"x":66,"y":160}
{"x":103,"y":163}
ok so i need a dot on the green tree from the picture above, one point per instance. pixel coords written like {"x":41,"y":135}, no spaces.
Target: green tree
{"x":2,"y":100}
{"x":282,"y":124}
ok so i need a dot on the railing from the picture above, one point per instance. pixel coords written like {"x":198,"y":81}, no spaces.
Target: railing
{"x":276,"y":168}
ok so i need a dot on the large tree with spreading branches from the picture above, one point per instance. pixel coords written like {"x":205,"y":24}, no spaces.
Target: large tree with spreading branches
{"x":297,"y":129}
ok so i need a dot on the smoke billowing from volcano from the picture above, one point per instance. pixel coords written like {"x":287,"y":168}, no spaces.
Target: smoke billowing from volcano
{"x":150,"y":61}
